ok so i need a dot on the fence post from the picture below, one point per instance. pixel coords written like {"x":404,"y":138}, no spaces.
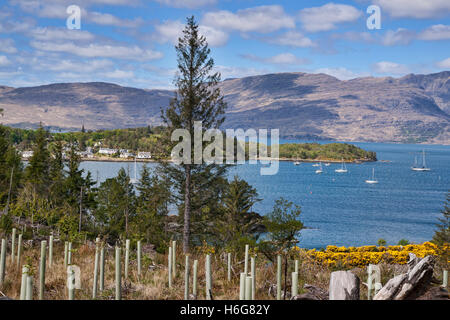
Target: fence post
{"x":127,"y":257}
{"x":3,"y":262}
{"x":118,"y":275}
{"x":248,"y":288}
{"x":139,"y":253}
{"x":174,"y":259}
{"x":94,"y":286}
{"x":246,"y":260}
{"x":229,"y":265}
{"x":170,"y":267}
{"x":208,"y":277}
{"x":19,"y":251}
{"x":50,"y":251}
{"x":279,"y":277}
{"x":242,"y":286}
{"x":253,"y":275}
{"x":13,"y":244}
{"x":23,"y":285}
{"x":42,"y":269}
{"x":66,"y":254}
{"x":29,"y":291}
{"x":70,"y":283}
{"x":445,"y":279}
{"x":296,"y":266}
{"x":186,"y":279}
{"x":102,"y":268}
{"x":194,"y":279}
{"x":294,"y":290}
{"x":69,"y":254}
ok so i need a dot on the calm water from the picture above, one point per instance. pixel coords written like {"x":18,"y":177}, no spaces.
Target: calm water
{"x":341,"y":209}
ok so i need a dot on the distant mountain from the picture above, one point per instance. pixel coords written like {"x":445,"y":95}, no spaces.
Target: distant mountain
{"x":414,"y":108}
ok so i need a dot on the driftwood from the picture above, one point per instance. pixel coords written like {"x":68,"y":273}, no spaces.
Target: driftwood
{"x":344,"y":285}
{"x":410,"y":285}
{"x":314,"y":293}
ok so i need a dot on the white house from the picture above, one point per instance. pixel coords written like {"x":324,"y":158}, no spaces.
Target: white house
{"x":107,"y":151}
{"x":144,"y":155}
{"x":126,"y":155}
{"x":27,"y":154}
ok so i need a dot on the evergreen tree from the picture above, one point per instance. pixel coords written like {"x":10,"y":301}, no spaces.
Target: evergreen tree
{"x":239,"y":222}
{"x":38,"y":169}
{"x":152,"y":208}
{"x":115,"y":205}
{"x":442,"y":234}
{"x":197,"y":99}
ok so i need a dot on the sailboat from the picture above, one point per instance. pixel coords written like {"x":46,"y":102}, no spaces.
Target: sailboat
{"x":424,"y":166}
{"x":316,"y":165}
{"x":343,"y":169}
{"x":320,"y":170}
{"x":372,"y":181}
{"x":134,"y":180}
{"x":327,"y":164}
{"x":296,"y":163}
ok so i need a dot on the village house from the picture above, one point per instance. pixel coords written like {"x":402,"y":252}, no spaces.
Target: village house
{"x":107,"y":151}
{"x":144,"y":155}
{"x":27,"y":154}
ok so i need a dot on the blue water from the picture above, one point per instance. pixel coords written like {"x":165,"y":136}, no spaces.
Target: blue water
{"x":343,"y":210}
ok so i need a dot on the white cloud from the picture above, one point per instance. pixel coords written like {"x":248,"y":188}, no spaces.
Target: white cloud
{"x":119,"y":74}
{"x":73,"y":66}
{"x":60,"y":34}
{"x":239,"y":72}
{"x":282,"y":59}
{"x":326,"y":17}
{"x":187,"y":3}
{"x":170,"y":31}
{"x":292,"y":39}
{"x":108,"y":19}
{"x":99,"y":50}
{"x":400,"y":36}
{"x":7,"y":45}
{"x":4,"y":61}
{"x":390,"y":68}
{"x":436,"y":32}
{"x":415,"y":8}
{"x":263,"y":19}
{"x":444,"y":64}
{"x":341,"y":73}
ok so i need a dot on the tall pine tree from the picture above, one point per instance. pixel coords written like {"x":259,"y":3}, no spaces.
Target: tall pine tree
{"x":197,"y":99}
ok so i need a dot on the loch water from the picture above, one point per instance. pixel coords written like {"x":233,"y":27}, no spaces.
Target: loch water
{"x":340,"y":208}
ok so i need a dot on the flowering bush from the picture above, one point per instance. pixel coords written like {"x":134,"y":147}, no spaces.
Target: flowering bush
{"x":363,"y":256}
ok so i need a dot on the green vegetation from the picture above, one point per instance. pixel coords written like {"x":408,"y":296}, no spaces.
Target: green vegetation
{"x":442,"y":234}
{"x":331,"y":151}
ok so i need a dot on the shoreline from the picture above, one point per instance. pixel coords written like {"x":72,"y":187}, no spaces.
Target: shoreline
{"x":107,"y":159}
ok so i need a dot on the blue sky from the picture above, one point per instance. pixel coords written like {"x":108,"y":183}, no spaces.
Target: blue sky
{"x":131,"y":42}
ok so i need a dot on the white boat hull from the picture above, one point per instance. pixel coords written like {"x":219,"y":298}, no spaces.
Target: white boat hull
{"x":371,"y":181}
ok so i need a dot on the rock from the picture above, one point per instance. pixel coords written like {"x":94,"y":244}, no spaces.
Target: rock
{"x":344,"y":285}
{"x":410,"y":285}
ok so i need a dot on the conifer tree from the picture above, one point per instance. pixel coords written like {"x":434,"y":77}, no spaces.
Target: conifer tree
{"x":197,"y":98}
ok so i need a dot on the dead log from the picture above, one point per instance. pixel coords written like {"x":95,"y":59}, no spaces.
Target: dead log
{"x":344,"y":285}
{"x":410,"y":285}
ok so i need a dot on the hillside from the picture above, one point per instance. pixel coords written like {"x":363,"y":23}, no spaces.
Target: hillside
{"x":414,"y":108}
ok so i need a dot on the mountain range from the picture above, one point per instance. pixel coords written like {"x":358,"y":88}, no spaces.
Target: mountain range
{"x":410,"y":109}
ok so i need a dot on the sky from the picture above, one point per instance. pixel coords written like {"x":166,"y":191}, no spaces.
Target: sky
{"x":131,"y":42}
